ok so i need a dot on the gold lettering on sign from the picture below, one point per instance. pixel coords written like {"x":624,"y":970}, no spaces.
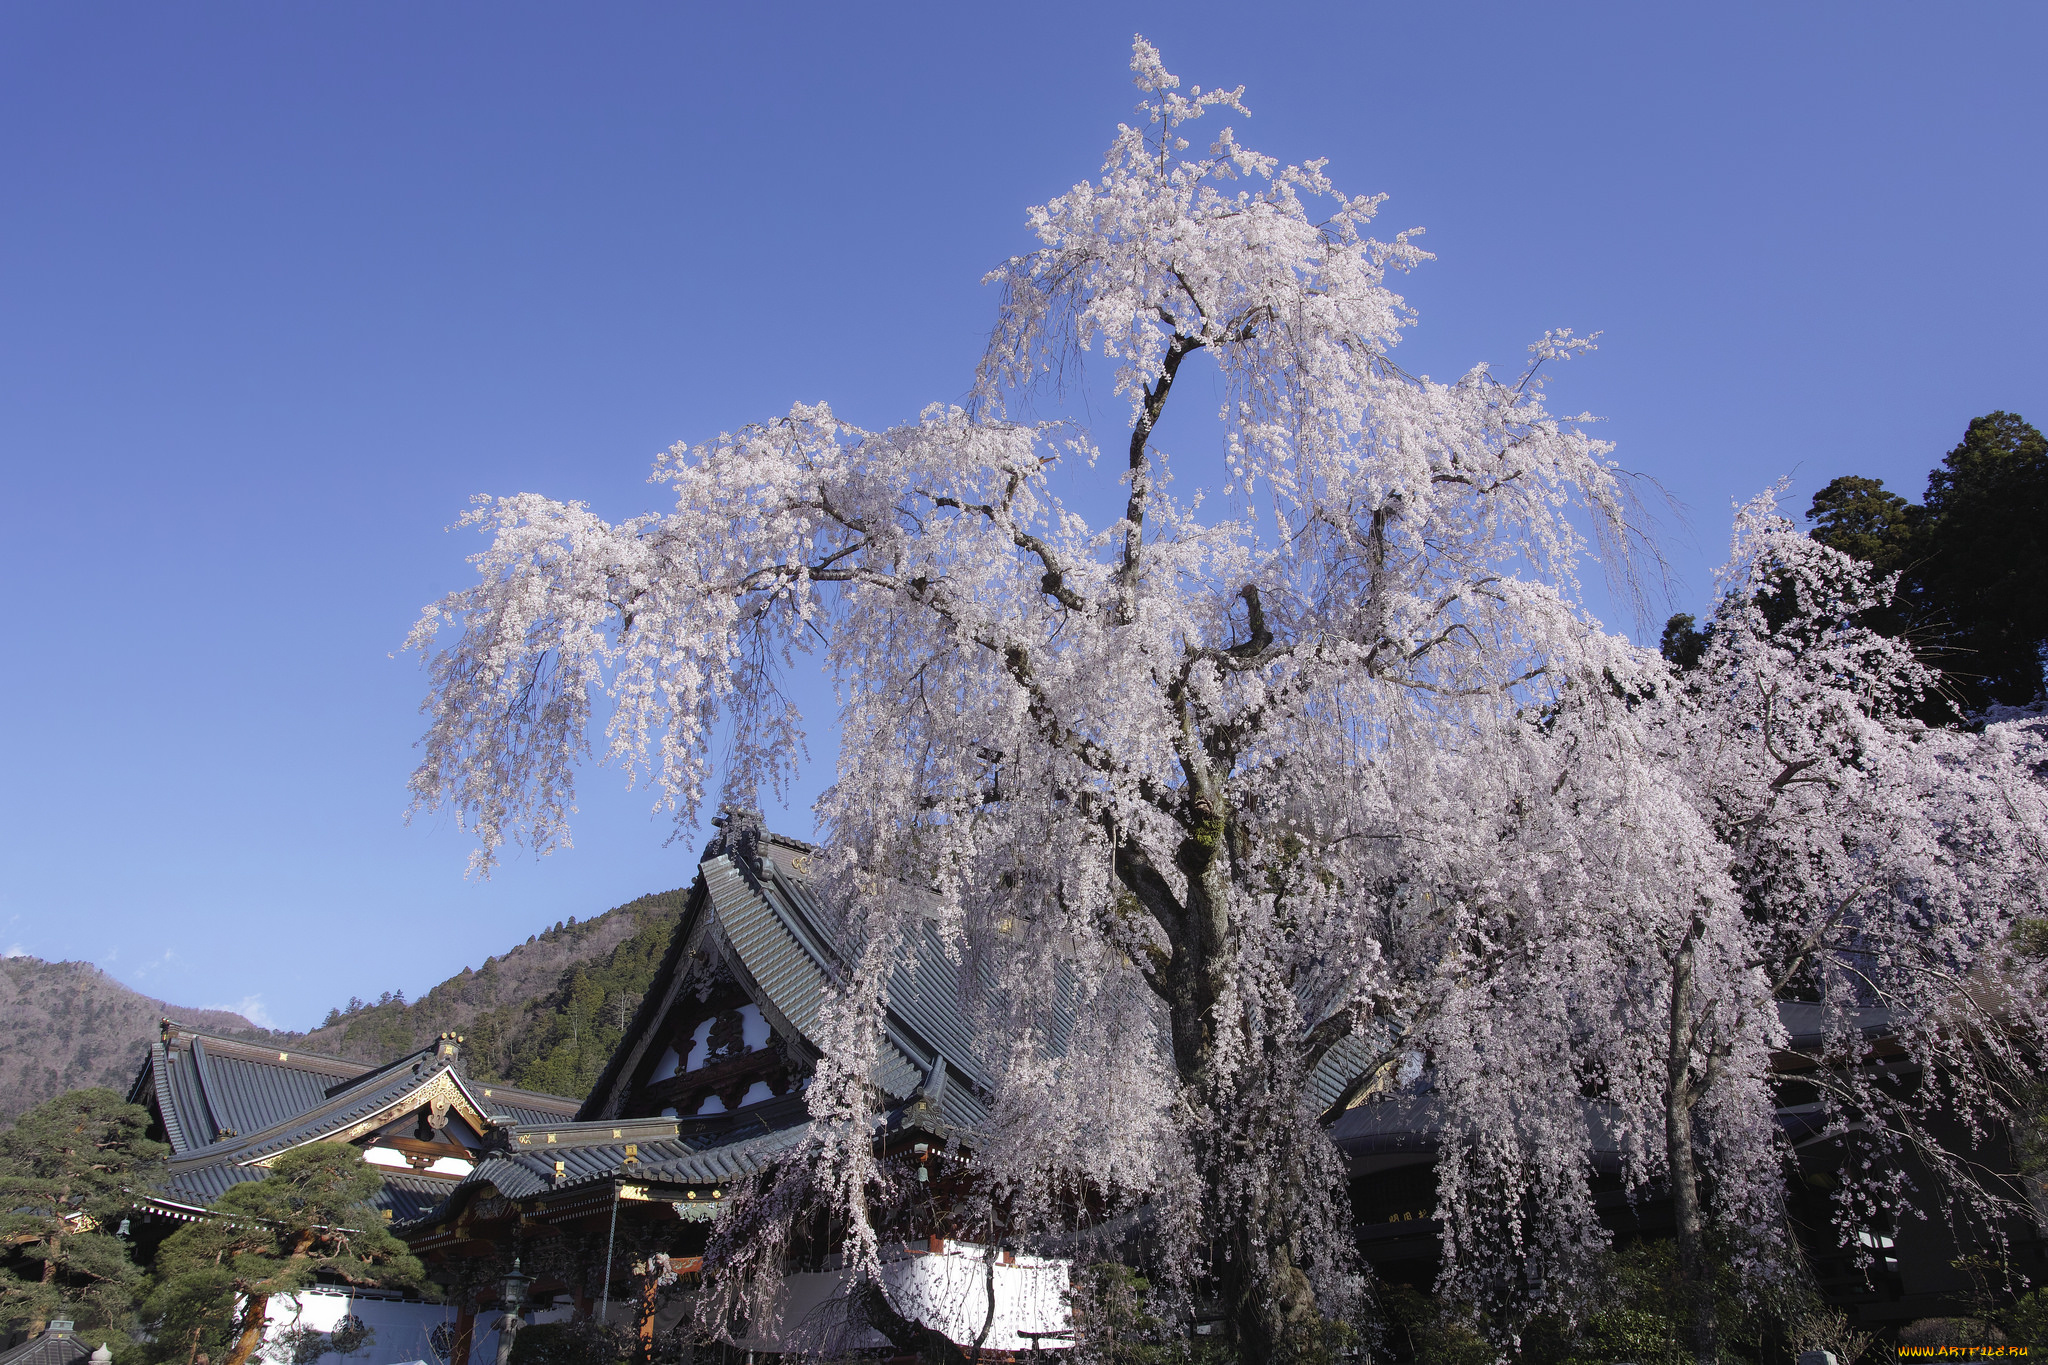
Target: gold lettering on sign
{"x":526,"y":1139}
{"x":551,"y":1137}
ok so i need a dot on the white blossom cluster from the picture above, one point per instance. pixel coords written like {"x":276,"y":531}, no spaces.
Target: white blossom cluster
{"x":1351,"y":769}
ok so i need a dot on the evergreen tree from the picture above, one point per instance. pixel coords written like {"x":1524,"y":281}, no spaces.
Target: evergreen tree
{"x":1868,"y":522}
{"x":1971,"y":560}
{"x":66,"y":1171}
{"x":1865,"y":520}
{"x":1684,"y":644}
{"x":1987,"y":557}
{"x":309,"y":1220}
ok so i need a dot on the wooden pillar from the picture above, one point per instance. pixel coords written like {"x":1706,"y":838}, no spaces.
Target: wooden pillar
{"x":465,"y":1330}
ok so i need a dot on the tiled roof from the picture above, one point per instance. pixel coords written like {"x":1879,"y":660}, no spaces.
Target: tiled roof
{"x":205,"y":1085}
{"x":215,"y":1092}
{"x":348,"y":1105}
{"x":1807,"y":1024}
{"x":793,"y":974}
{"x":1340,"y":1066}
{"x":925,"y":993}
{"x":48,"y":1348}
{"x":708,"y":1158}
{"x":753,"y":899}
{"x":1411,"y":1120}
{"x":521,"y":1106}
{"x":784,"y":943}
{"x":248,"y":1096}
{"x":1393,"y":1123}
{"x":407,"y":1196}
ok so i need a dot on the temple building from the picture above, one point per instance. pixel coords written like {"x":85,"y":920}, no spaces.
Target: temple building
{"x":57,"y":1344}
{"x":228,"y":1107}
{"x":707,"y":1086}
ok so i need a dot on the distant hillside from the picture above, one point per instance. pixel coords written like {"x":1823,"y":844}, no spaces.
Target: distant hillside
{"x":545,"y":1015}
{"x":68,"y":1025}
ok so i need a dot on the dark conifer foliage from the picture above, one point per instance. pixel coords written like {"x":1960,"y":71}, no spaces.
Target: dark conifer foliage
{"x":1972,"y":560}
{"x":545,"y":1015}
{"x":1684,"y":643}
{"x":1986,"y":562}
{"x":309,"y":1220}
{"x":1865,"y":520}
{"x":65,"y":1171}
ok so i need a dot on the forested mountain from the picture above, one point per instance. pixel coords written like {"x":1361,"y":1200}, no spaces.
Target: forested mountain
{"x":66,"y":1025}
{"x":544,"y":1015}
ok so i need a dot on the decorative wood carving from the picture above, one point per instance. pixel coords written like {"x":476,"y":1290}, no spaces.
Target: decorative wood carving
{"x":729,"y":1079}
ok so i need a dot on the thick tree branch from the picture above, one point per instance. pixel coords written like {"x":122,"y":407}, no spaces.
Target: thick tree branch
{"x":1141,"y":476}
{"x":1136,"y":872}
{"x":1053,"y":583}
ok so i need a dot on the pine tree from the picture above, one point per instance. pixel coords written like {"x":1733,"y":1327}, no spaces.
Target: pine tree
{"x":66,"y":1172}
{"x":1987,"y":558}
{"x":1971,"y":560}
{"x":309,"y":1220}
{"x":1867,"y":521}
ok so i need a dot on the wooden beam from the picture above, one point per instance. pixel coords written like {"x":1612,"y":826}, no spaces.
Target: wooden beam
{"x":760,"y":1064}
{"x":414,"y":1147}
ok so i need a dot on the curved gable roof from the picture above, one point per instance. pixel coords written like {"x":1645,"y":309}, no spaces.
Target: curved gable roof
{"x":754,"y":907}
{"x":205,"y":1087}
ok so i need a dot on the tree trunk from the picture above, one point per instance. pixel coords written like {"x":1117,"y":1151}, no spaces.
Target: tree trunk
{"x":1268,"y":1300}
{"x":40,"y":1320}
{"x":907,"y":1335}
{"x":643,"y":1327}
{"x":1696,"y":1279}
{"x":251,"y":1335}
{"x":988,"y":1319}
{"x":1272,"y":1306}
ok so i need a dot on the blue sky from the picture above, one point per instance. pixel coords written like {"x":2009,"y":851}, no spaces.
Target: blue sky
{"x":281,"y":286}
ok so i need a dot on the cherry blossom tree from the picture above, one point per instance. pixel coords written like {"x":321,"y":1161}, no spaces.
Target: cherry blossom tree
{"x":1326,"y":765}
{"x":1250,"y":764}
{"x":1878,"y":864}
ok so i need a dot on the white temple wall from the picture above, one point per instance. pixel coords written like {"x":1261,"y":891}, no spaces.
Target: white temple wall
{"x":404,"y":1332}
{"x":947,"y":1290}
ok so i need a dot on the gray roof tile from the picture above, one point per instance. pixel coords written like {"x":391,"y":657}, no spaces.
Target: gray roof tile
{"x":1340,"y":1066}
{"x":271,"y":1100}
{"x":247,"y":1096}
{"x":790,"y":972}
{"x":203,"y":1085}
{"x":704,"y":1159}
{"x":49,"y":1348}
